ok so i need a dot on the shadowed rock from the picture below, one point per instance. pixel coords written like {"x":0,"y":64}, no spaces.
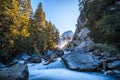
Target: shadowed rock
{"x":15,"y":72}
{"x":81,"y":61}
{"x":114,"y":65}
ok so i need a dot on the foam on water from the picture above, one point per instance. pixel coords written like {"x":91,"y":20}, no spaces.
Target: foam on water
{"x":57,"y":71}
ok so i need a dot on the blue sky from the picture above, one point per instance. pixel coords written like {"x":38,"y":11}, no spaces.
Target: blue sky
{"x":62,"y":13}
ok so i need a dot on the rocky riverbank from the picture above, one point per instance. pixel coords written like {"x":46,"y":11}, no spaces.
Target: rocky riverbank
{"x":83,"y":60}
{"x":74,"y":59}
{"x":18,"y":69}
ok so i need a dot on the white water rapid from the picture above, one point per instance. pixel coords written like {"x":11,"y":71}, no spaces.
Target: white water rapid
{"x":57,"y":71}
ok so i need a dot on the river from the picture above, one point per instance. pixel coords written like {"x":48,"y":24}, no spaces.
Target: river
{"x":57,"y":71}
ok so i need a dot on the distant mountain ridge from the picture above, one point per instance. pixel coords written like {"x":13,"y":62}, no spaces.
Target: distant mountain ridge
{"x":65,"y":39}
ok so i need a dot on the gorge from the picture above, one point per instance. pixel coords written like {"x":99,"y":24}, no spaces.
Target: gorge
{"x":31,"y":47}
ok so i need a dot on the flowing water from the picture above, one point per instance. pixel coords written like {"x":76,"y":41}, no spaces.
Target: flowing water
{"x":57,"y":71}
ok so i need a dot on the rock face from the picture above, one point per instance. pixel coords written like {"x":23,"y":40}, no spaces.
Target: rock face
{"x":2,"y":66}
{"x":83,"y":33}
{"x":23,"y":56}
{"x":31,"y":58}
{"x":67,"y":35}
{"x":65,"y":39}
{"x":86,"y":43}
{"x":81,"y":39}
{"x":114,"y":65}
{"x":113,"y":72}
{"x":52,"y":57}
{"x":81,"y":61}
{"x":35,"y":60}
{"x":15,"y":72}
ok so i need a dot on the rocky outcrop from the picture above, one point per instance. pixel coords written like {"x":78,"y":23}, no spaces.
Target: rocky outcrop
{"x":81,"y":61}
{"x":112,"y":72}
{"x":85,"y":44}
{"x":114,"y":65}
{"x":51,"y":58}
{"x":65,"y":39}
{"x":22,"y":56}
{"x":31,"y":58}
{"x":81,"y":39}
{"x":15,"y":72}
{"x":35,"y":60}
{"x":83,"y":34}
{"x":2,"y":66}
{"x":67,"y":35}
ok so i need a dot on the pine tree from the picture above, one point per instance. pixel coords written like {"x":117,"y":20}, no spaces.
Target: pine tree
{"x":102,"y":20}
{"x":20,"y":29}
{"x":25,"y":8}
{"x":8,"y":15}
{"x":43,"y":33}
{"x":14,"y":28}
{"x":53,"y":36}
{"x":37,"y":29}
{"x":39,"y":17}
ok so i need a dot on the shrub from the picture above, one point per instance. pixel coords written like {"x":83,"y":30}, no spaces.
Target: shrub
{"x":104,"y":48}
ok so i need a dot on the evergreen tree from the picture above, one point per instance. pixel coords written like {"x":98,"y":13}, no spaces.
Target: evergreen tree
{"x":8,"y":15}
{"x":13,"y":29}
{"x":21,"y":26}
{"x":102,"y":19}
{"x":25,"y":8}
{"x":39,"y":17}
{"x":19,"y":32}
{"x":37,"y":29}
{"x":53,"y":35}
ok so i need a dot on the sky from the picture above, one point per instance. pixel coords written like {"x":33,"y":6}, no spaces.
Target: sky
{"x":62,"y":13}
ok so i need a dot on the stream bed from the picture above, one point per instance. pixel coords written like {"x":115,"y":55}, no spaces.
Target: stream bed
{"x":57,"y":71}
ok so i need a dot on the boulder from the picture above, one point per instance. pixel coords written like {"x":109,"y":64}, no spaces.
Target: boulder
{"x":12,"y":63}
{"x":81,"y":61}
{"x":52,"y":57}
{"x":76,"y":42}
{"x":23,"y":56}
{"x":114,"y":65}
{"x":2,"y":66}
{"x":118,"y":56}
{"x":15,"y":72}
{"x":35,"y":59}
{"x":86,"y":43}
{"x":49,"y":52}
{"x":59,"y":53}
{"x":112,"y":72}
{"x":105,"y":56}
{"x":117,"y":2}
